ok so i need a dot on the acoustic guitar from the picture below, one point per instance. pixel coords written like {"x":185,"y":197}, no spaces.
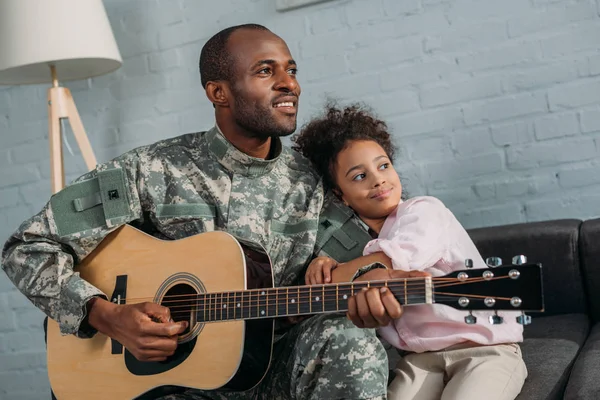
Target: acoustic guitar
{"x":224,"y":288}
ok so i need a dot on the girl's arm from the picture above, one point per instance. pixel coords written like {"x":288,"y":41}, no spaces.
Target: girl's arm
{"x":345,"y":271}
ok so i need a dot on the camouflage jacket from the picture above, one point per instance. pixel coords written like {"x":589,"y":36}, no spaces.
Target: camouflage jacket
{"x":171,"y":189}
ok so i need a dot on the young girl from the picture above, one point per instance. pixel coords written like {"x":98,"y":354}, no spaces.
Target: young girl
{"x":445,"y":358}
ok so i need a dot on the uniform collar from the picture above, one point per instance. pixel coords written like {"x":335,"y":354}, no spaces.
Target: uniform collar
{"x":237,"y":161}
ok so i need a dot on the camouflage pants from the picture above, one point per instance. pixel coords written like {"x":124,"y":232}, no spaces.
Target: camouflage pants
{"x":324,"y":357}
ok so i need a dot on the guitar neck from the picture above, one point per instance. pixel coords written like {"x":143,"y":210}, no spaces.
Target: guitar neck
{"x":300,"y":300}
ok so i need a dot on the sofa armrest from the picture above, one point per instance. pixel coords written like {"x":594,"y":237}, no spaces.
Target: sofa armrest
{"x":589,"y":248}
{"x":584,"y":383}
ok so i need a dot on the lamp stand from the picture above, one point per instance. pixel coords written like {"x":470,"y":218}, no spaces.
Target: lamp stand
{"x":61,"y":105}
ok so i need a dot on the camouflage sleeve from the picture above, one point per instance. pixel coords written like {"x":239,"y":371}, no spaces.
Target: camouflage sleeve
{"x":39,"y":258}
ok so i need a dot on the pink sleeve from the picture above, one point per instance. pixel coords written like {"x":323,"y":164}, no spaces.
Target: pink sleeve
{"x":417,"y":235}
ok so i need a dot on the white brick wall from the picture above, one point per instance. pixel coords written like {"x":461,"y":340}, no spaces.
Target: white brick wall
{"x":495,"y":106}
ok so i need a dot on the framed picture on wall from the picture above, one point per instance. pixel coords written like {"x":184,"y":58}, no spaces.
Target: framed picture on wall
{"x":284,"y":5}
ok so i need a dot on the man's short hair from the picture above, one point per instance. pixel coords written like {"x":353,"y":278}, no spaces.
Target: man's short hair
{"x":215,"y":60}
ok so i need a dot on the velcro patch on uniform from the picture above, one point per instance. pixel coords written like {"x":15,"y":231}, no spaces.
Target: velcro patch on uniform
{"x":83,"y":203}
{"x":115,"y":198}
{"x":338,"y":236}
{"x":67,"y":218}
{"x":343,"y":237}
{"x":332,"y":218}
{"x":287,"y":228}
{"x":185,"y":210}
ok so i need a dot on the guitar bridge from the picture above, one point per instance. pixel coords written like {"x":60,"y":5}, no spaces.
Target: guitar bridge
{"x":118,"y":297}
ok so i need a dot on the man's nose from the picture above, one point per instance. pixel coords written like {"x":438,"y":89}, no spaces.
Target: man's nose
{"x":286,"y":82}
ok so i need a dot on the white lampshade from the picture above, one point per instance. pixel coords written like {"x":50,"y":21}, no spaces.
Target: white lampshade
{"x":73,"y":35}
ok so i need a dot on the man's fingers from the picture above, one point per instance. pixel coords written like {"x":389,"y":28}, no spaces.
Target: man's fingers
{"x":352,"y":313}
{"x":156,"y":311}
{"x":376,"y":308}
{"x":176,"y":328}
{"x":363,"y":310}
{"x":392,"y":306}
{"x":167,"y":329}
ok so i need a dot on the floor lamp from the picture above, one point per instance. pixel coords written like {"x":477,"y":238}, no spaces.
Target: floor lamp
{"x":44,"y":41}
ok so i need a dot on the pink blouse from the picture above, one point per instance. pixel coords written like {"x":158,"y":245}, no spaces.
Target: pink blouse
{"x":422,"y":234}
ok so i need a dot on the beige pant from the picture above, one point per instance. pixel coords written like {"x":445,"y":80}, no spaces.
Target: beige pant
{"x":461,"y":372}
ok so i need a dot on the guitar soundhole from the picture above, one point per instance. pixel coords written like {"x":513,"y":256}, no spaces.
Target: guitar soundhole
{"x":181,"y":300}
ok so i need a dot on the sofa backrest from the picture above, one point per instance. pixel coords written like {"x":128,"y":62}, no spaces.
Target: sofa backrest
{"x":555,"y":245}
{"x":589,"y":248}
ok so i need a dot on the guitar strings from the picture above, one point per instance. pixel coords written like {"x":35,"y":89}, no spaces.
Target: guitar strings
{"x":265,"y":302}
{"x":410,"y":283}
{"x":219,"y":314}
{"x":216,"y":303}
{"x":301,"y":306}
{"x":295,"y":309}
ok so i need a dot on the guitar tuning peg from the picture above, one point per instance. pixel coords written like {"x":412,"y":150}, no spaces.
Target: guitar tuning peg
{"x":519,"y":260}
{"x":524,"y":319}
{"x":493,"y":262}
{"x":496,"y":319}
{"x":470,"y":319}
{"x":468,"y":263}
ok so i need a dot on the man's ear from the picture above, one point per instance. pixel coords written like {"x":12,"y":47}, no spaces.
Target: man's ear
{"x":217,"y":93}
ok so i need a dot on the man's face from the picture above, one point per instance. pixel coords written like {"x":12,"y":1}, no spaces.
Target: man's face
{"x":264,"y":86}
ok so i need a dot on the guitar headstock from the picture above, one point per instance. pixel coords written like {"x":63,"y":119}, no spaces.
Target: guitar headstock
{"x":512,"y":287}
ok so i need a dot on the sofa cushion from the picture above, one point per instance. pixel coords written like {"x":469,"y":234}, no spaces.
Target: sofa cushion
{"x":549,"y":350}
{"x":589,"y":248}
{"x":584,"y":383}
{"x":554,"y":244}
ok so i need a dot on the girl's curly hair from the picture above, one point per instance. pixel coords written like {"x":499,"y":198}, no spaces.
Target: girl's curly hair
{"x":322,"y":139}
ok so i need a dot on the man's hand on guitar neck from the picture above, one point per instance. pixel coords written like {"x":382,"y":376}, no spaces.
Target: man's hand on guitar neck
{"x":376,"y":307}
{"x":145,"y":329}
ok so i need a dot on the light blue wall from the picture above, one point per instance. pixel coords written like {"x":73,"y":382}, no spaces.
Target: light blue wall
{"x":494,"y":104}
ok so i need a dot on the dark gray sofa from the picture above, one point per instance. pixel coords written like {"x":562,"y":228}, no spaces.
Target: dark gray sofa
{"x":562,"y":345}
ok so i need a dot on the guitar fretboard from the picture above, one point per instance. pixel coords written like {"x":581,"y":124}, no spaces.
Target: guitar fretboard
{"x":299,"y":300}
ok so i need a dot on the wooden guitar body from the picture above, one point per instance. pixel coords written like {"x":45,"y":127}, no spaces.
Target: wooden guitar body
{"x":209,"y":356}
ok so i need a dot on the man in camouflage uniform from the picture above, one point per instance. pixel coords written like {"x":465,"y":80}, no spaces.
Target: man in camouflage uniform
{"x":236,"y":177}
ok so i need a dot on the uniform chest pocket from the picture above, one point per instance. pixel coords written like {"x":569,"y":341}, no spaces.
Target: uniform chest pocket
{"x":178,"y":221}
{"x":290,"y":246}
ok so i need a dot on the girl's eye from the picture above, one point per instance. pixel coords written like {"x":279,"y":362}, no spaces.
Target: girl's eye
{"x":359,"y":177}
{"x":384,"y":166}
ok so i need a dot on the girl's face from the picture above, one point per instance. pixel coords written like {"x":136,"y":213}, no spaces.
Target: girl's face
{"x":366,"y":180}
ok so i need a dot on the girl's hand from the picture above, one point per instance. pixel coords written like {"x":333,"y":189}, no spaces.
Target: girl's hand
{"x":319,"y":271}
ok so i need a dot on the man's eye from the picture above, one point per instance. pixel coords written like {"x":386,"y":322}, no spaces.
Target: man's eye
{"x":293,"y":71}
{"x":264,"y":71}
